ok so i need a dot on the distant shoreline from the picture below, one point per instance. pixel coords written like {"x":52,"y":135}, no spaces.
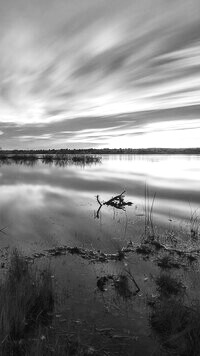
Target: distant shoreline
{"x":95,"y":151}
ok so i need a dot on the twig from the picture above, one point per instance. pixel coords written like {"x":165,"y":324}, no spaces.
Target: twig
{"x":133,"y":279}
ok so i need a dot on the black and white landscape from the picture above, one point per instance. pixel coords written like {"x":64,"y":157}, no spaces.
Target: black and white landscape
{"x":99,"y":177}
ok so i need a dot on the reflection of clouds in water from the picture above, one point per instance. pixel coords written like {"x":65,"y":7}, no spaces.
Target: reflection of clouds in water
{"x":59,"y":204}
{"x":24,"y":196}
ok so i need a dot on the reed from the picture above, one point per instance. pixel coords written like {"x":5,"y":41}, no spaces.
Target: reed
{"x":148,"y":212}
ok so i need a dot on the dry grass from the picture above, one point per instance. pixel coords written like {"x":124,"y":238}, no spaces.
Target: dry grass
{"x":177,"y":325}
{"x":166,"y":262}
{"x":26,"y":299}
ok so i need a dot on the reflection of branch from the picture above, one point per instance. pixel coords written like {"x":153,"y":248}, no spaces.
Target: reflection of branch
{"x":98,"y":212}
{"x":2,"y":230}
{"x":100,"y":206}
{"x":133,"y":279}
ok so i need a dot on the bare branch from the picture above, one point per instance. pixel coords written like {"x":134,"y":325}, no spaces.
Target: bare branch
{"x":98,"y":200}
{"x":117,"y":197}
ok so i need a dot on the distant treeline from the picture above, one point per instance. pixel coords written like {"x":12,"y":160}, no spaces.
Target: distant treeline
{"x":107,"y":151}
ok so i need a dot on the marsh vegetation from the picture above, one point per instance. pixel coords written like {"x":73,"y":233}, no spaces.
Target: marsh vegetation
{"x":59,"y":159}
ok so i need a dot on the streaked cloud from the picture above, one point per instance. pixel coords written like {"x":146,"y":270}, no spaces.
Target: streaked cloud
{"x":99,"y":73}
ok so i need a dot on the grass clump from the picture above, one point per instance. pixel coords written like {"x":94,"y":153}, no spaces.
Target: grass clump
{"x":166,"y":262}
{"x":47,"y":158}
{"x":143,"y":249}
{"x":168,"y":285}
{"x":24,"y":157}
{"x":85,"y":159}
{"x":177,"y":325}
{"x":169,"y":317}
{"x":26,"y":300}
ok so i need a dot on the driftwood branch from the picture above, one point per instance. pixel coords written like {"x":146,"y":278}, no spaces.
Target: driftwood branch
{"x":118,"y":197}
{"x":117,"y":202}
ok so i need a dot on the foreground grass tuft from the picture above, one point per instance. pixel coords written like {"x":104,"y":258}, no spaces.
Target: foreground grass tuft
{"x":168,"y":285}
{"x":177,"y":325}
{"x":166,"y":262}
{"x":26,"y":300}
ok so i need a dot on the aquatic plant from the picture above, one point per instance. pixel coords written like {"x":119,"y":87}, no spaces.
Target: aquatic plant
{"x":149,"y":230}
{"x":86,"y":159}
{"x":24,"y":157}
{"x":60,"y":159}
{"x":47,"y":158}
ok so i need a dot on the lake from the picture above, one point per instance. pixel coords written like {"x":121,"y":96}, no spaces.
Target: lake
{"x":44,"y":206}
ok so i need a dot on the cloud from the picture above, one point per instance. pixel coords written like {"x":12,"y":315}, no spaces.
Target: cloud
{"x":71,"y":66}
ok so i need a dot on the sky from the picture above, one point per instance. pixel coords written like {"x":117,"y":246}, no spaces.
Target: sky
{"x":99,"y":73}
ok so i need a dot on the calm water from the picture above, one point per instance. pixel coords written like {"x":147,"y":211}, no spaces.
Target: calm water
{"x":44,"y":205}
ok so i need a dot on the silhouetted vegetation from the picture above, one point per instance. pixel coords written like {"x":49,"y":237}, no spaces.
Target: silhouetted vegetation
{"x":59,"y":159}
{"x":154,"y":150}
{"x":47,"y":158}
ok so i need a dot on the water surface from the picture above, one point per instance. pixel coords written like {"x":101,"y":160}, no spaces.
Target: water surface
{"x":45,"y":205}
